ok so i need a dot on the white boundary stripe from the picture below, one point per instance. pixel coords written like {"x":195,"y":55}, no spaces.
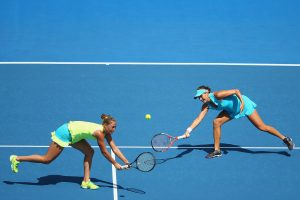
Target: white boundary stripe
{"x":149,"y":147}
{"x":157,"y":63}
{"x":114,"y":177}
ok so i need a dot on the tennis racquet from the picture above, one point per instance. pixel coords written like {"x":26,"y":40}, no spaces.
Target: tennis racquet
{"x":145,"y":162}
{"x":162,"y":142}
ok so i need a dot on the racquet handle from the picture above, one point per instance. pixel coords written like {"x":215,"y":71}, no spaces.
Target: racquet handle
{"x":125,"y":166}
{"x":180,"y":137}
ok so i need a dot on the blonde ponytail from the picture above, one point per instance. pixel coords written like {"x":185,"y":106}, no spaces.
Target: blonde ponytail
{"x":107,"y":119}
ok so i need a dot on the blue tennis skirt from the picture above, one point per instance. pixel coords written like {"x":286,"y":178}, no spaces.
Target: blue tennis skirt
{"x":62,"y":136}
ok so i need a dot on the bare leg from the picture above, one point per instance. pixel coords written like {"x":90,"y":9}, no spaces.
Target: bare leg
{"x":258,"y":123}
{"x":53,"y":152}
{"x":84,"y":147}
{"x":222,"y":118}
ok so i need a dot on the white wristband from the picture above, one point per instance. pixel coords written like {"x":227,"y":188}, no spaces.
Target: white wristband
{"x":189,"y":129}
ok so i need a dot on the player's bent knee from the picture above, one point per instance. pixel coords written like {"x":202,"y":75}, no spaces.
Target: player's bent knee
{"x":90,"y":152}
{"x":217,"y":122}
{"x":47,"y":161}
{"x":263,"y":128}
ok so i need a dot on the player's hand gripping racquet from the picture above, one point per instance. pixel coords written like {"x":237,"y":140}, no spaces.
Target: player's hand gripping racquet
{"x":162,"y":142}
{"x":145,"y":162}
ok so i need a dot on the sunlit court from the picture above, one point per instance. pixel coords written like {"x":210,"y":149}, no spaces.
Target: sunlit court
{"x":85,"y":87}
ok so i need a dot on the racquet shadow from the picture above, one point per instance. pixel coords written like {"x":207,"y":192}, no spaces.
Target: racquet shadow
{"x":163,"y":160}
{"x":56,"y":179}
{"x":225,"y":148}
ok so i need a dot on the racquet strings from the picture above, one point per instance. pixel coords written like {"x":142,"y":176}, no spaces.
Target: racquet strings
{"x":160,"y":142}
{"x":145,"y":162}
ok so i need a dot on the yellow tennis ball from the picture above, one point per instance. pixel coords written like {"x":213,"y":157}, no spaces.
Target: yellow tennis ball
{"x":148,"y":116}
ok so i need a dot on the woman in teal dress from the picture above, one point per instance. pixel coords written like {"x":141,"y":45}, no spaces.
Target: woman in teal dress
{"x":232,"y":105}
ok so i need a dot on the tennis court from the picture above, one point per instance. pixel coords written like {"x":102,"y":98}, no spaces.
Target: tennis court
{"x":63,"y":61}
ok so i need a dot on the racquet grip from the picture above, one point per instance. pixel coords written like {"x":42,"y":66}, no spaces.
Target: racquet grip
{"x":180,"y":137}
{"x":125,"y":166}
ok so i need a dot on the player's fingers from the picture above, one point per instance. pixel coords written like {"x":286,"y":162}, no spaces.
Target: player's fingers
{"x":242,"y":108}
{"x":127,"y":166}
{"x":118,"y":166}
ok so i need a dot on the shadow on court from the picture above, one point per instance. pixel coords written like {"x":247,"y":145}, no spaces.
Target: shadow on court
{"x":226,"y":149}
{"x":56,"y":179}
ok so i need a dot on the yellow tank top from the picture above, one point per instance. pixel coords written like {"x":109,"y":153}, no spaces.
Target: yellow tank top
{"x":83,"y":130}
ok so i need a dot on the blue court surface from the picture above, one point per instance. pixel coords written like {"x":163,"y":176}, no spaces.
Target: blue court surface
{"x":204,"y":43}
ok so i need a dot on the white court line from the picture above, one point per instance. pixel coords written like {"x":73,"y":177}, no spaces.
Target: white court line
{"x":158,"y":64}
{"x":114,"y":177}
{"x":149,"y":147}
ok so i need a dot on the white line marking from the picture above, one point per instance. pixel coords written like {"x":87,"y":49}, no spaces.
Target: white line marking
{"x":114,"y":177}
{"x":149,"y":147}
{"x":23,"y":146}
{"x":157,"y":64}
{"x":199,"y":147}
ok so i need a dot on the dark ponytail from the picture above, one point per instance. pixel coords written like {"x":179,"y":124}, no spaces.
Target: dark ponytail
{"x":204,"y":87}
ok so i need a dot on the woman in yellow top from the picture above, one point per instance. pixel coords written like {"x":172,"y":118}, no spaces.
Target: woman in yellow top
{"x":75,"y":134}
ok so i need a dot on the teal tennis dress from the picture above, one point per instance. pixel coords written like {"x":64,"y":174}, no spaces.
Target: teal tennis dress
{"x":232,"y":104}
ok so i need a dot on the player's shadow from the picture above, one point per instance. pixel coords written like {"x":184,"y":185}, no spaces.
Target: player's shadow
{"x":56,"y":179}
{"x":226,"y":149}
